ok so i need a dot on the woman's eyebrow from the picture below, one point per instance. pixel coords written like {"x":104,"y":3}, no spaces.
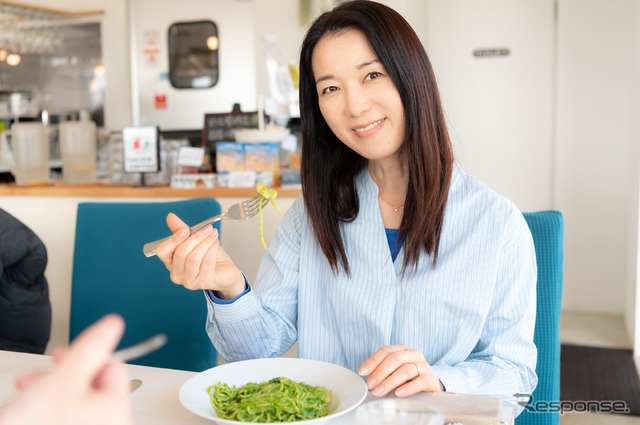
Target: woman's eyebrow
{"x":324,"y":78}
{"x":367,"y":63}
{"x":359,"y":66}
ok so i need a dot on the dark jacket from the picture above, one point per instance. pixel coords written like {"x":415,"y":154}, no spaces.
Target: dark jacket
{"x":25,"y":308}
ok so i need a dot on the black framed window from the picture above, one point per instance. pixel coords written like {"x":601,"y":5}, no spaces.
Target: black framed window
{"x":193,"y":54}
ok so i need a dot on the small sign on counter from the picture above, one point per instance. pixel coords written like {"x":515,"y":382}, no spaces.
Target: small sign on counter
{"x":193,"y":181}
{"x":245,"y":178}
{"x":141,"y":151}
{"x":190,"y":156}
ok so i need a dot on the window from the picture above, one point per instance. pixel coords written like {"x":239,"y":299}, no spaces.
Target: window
{"x":193,"y":55}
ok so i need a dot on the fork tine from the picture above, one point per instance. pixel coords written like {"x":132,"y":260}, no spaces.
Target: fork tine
{"x":250,"y":212}
{"x":251,"y":202}
{"x":253,"y":209}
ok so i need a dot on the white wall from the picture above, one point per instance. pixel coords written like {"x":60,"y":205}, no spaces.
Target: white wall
{"x":593,"y":139}
{"x":499,"y":109}
{"x":632,"y":309}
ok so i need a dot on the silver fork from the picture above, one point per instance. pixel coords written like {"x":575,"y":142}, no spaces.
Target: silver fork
{"x":140,"y":349}
{"x":239,"y":212}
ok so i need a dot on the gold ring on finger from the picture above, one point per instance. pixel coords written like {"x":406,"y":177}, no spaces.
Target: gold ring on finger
{"x":417,"y":368}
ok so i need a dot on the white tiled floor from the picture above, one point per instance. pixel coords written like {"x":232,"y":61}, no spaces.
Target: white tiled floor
{"x":597,"y":331}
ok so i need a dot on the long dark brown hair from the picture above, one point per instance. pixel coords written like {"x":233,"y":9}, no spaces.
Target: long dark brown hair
{"x":329,"y":167}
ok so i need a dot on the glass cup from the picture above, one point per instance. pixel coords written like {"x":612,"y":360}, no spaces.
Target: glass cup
{"x":398,"y":412}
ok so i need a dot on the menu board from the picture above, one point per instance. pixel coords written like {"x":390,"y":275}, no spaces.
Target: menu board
{"x":219,"y":127}
{"x":140,"y":146}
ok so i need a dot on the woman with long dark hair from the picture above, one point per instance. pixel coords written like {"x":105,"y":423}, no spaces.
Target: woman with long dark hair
{"x":393,"y":262}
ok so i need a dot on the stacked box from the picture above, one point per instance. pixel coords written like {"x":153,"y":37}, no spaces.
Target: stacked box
{"x":246,"y":164}
{"x":229,"y":158}
{"x":264,"y":159}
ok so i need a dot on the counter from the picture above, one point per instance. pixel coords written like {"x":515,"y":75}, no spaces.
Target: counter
{"x":126,"y":191}
{"x":50,"y":211}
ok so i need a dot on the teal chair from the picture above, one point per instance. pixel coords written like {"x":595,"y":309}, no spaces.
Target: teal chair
{"x":547,"y":228}
{"x":111,"y":274}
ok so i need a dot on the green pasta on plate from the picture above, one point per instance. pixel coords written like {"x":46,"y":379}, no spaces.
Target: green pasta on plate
{"x":277,"y":400}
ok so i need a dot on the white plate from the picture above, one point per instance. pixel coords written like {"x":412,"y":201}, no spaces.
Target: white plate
{"x":347,"y":387}
{"x":261,"y":136}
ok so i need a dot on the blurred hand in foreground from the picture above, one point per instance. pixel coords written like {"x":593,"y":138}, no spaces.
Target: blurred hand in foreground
{"x":83,"y":387}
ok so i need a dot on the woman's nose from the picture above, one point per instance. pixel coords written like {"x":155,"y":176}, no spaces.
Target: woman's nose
{"x":356,"y":101}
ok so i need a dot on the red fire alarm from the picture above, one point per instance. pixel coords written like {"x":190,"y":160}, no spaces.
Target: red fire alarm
{"x":161,"y":101}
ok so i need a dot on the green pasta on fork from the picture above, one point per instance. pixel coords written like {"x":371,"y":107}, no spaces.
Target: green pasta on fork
{"x":269,"y":194}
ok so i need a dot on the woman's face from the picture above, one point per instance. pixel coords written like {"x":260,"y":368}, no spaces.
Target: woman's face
{"x":357,"y":98}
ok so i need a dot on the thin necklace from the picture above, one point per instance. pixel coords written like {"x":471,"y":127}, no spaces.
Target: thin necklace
{"x":396,"y":209}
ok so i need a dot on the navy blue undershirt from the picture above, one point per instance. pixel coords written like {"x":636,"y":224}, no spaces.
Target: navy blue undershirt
{"x":392,"y":238}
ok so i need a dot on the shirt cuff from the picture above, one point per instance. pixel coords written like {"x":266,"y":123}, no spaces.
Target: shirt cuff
{"x":452,"y":380}
{"x":216,"y":300}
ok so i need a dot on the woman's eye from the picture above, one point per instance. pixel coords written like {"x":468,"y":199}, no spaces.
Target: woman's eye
{"x":328,"y":90}
{"x":373,"y":75}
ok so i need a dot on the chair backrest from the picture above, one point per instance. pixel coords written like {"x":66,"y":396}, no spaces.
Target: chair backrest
{"x":547,"y":228}
{"x":112,"y":275}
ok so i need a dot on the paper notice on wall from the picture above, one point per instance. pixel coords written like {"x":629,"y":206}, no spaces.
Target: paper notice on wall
{"x":151,"y":47}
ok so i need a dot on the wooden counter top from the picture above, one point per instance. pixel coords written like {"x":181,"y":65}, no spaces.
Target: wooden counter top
{"x":110,"y":190}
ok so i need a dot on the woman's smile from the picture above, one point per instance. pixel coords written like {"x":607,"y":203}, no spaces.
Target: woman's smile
{"x":367,"y":130}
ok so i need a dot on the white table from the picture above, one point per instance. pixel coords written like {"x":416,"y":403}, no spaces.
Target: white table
{"x":154,"y":402}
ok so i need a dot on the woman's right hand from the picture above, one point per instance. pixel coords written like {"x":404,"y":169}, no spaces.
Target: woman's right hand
{"x":198,"y":261}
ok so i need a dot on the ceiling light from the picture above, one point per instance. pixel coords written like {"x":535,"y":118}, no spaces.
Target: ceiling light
{"x":13,"y":59}
{"x":212,"y":42}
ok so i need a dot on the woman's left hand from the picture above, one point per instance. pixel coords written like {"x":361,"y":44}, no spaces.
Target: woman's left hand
{"x":399,"y":368}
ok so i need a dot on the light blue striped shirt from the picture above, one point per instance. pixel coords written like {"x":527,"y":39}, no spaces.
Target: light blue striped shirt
{"x":472,"y":316}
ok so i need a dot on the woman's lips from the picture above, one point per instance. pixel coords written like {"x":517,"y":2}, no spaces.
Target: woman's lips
{"x":362,"y":131}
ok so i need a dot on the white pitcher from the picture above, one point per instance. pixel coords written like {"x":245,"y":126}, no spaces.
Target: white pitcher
{"x":28,"y":155}
{"x":78,"y":151}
